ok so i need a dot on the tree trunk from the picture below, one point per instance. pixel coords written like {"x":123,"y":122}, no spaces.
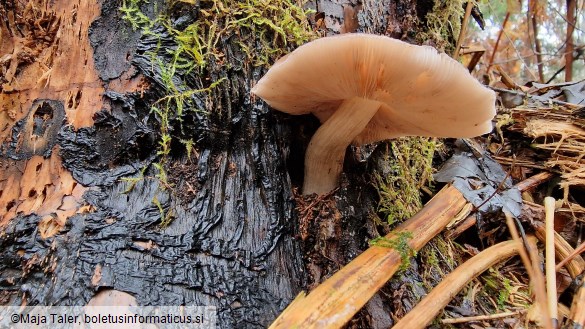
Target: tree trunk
{"x":82,"y":199}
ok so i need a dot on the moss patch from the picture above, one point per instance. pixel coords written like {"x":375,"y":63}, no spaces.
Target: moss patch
{"x":260,"y":30}
{"x":443,"y":24}
{"x":407,"y":167}
{"x":398,"y":243}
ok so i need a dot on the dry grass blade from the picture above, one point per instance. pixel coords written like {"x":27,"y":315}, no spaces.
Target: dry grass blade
{"x":479,"y":318}
{"x":578,"y":250}
{"x":335,"y":301}
{"x":439,"y":297}
{"x":539,"y":285}
{"x":551,"y":278}
{"x":529,"y":258}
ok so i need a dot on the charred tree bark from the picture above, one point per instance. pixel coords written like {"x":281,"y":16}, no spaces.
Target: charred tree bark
{"x":76,"y":118}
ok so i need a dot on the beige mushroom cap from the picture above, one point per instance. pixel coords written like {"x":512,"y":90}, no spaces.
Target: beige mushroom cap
{"x":112,"y":297}
{"x":422,"y":92}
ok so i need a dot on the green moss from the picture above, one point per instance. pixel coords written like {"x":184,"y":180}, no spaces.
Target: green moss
{"x":407,"y":169}
{"x":189,"y":146}
{"x":509,"y":293}
{"x":444,"y":24}
{"x":133,"y":15}
{"x":505,"y":293}
{"x":438,"y":258}
{"x":398,"y":243}
{"x":262,"y":29}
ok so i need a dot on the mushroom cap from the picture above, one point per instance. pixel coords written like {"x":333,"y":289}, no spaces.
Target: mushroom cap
{"x":112,"y":297}
{"x":421,"y":92}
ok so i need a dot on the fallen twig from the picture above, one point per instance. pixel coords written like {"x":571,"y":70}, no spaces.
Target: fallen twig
{"x":335,"y":301}
{"x":539,"y":284}
{"x":463,"y":30}
{"x":479,"y":317}
{"x":575,"y":253}
{"x":562,"y":250}
{"x":551,"y":274}
{"x":533,"y":181}
{"x":529,"y":257}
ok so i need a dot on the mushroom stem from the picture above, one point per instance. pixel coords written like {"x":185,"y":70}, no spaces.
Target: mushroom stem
{"x":324,"y":157}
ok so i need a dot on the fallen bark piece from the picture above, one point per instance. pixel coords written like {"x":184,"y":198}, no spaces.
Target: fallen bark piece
{"x":522,"y":186}
{"x":50,"y":81}
{"x":336,"y":300}
{"x":428,"y":308}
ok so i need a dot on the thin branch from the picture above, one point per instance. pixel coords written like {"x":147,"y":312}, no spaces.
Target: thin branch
{"x":532,"y":22}
{"x":513,"y":45}
{"x":551,"y":279}
{"x":480,"y":318}
{"x":491,"y":62}
{"x":529,"y":257}
{"x":571,"y":8}
{"x":463,"y":29}
{"x":580,"y":249}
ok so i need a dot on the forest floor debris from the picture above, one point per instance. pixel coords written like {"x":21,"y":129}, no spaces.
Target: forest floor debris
{"x":540,"y":144}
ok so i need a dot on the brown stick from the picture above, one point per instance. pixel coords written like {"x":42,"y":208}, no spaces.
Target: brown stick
{"x":523,"y":253}
{"x":428,"y":308}
{"x":539,"y":285}
{"x":491,"y":62}
{"x":578,"y":250}
{"x":562,"y":250}
{"x":335,"y":301}
{"x":571,"y":8}
{"x":532,"y":13}
{"x":533,"y":181}
{"x":463,"y":29}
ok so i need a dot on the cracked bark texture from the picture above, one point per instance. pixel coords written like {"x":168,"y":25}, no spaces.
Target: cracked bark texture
{"x":233,"y":242}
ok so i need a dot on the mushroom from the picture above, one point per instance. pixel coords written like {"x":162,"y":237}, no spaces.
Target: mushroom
{"x":112,"y":297}
{"x":366,"y":88}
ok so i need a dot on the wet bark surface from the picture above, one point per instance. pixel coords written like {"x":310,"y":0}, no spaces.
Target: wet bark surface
{"x":229,"y":243}
{"x":236,"y":240}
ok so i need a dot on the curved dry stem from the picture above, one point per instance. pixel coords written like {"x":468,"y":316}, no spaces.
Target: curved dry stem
{"x":439,"y":297}
{"x":551,"y":279}
{"x":324,"y":157}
